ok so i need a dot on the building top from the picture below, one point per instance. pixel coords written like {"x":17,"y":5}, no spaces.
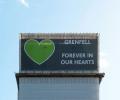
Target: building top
{"x":77,"y":52}
{"x":59,"y":35}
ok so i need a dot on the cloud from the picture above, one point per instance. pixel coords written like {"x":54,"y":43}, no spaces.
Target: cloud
{"x":104,"y":62}
{"x":24,"y":3}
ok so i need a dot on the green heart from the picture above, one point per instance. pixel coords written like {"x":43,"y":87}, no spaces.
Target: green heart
{"x":39,"y":52}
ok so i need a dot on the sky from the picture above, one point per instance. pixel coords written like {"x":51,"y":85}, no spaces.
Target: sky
{"x":82,"y":16}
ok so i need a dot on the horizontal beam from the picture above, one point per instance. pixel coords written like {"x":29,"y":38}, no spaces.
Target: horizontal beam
{"x":60,"y":74}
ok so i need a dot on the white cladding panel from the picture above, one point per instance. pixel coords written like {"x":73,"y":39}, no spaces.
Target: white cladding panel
{"x":58,"y":88}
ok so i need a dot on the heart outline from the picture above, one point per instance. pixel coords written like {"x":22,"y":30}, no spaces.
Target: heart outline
{"x":39,"y":42}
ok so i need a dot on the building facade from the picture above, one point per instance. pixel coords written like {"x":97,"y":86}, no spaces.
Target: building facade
{"x":69,"y":83}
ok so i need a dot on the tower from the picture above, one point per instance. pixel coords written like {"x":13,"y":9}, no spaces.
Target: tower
{"x":58,"y":67}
